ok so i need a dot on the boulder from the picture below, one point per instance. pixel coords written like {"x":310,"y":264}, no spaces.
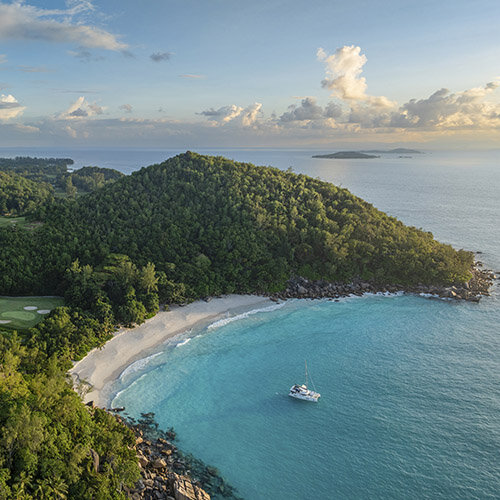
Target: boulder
{"x":159,"y":463}
{"x":185,"y":490}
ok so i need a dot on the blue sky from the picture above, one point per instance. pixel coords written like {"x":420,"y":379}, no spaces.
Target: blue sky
{"x":192,"y":73}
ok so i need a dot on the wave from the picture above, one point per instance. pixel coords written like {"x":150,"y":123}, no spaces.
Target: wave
{"x":183,"y":342}
{"x":138,"y":365}
{"x":230,"y":319}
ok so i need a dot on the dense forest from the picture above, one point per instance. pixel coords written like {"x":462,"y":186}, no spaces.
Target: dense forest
{"x":189,"y":227}
{"x":19,"y":195}
{"x":24,"y":182}
{"x":216,"y":226}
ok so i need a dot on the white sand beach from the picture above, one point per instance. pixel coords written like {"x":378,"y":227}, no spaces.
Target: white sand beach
{"x":101,"y":367}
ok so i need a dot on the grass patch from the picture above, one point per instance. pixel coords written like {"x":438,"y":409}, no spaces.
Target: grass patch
{"x":14,"y":316}
{"x":18,"y":222}
{"x":12,"y":221}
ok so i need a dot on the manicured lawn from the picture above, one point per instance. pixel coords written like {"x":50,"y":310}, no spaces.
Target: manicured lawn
{"x":19,"y":222}
{"x":24,"y":312}
{"x":12,"y":221}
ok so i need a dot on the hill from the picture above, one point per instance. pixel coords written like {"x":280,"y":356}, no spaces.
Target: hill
{"x":217,"y":226}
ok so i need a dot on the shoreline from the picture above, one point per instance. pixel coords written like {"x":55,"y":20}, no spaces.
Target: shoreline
{"x":101,"y":367}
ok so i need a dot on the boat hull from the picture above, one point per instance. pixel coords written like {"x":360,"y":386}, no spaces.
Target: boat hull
{"x":304,"y":397}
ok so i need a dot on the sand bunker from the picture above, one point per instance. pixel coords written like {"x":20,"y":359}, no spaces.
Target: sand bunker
{"x":4,"y":321}
{"x":44,"y":311}
{"x":30,"y":308}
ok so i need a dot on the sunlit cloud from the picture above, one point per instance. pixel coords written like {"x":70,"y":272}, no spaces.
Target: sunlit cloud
{"x":236,"y":115}
{"x":9,"y":107}
{"x":81,"y":109}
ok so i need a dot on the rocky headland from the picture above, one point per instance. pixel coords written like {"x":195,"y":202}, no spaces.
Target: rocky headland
{"x":477,"y":287}
{"x":166,"y":472}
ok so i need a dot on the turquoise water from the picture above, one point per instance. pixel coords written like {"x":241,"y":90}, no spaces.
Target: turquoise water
{"x":410,"y":405}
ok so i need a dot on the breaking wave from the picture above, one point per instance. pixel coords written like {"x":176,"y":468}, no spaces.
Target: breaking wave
{"x":230,"y":319}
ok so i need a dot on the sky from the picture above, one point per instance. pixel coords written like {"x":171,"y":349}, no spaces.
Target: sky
{"x":234,"y":73}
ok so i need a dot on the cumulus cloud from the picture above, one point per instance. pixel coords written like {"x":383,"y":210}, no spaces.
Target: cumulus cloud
{"x":308,"y":110}
{"x":126,"y":107}
{"x":343,"y":76}
{"x":19,"y":21}
{"x":9,"y":107}
{"x":161,"y":56}
{"x":236,"y":115}
{"x":81,"y":109}
{"x":3,"y":58}
{"x":442,"y":110}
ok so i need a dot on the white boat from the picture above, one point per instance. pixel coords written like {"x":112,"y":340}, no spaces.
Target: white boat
{"x":302,"y":392}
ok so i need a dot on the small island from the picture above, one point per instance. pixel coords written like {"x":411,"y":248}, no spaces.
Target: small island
{"x":396,"y":151}
{"x":346,"y":155}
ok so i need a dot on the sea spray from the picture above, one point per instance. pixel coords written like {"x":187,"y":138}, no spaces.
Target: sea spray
{"x":138,"y":365}
{"x":231,"y":319}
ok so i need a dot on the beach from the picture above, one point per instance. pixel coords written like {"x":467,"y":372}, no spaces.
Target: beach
{"x":102,"y":366}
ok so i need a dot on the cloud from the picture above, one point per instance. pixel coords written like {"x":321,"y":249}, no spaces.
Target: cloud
{"x":33,"y":69}
{"x":191,"y":76}
{"x":9,"y":107}
{"x":19,"y":21}
{"x":3,"y":58}
{"x":444,"y":109}
{"x":236,"y":115}
{"x":126,"y":107}
{"x":343,"y":76}
{"x":85,"y":55}
{"x":161,"y":56}
{"x":343,"y":69}
{"x":81,"y":109}
{"x":308,"y":110}
{"x":224,"y":114}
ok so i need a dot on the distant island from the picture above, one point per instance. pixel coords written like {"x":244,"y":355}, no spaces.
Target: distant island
{"x":400,"y":151}
{"x":343,"y":155}
{"x":370,"y":153}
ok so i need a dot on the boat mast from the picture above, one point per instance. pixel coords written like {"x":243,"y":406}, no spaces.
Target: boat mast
{"x":305,"y":361}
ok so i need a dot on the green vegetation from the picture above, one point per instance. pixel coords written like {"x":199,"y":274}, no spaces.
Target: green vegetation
{"x":12,"y":221}
{"x":52,"y":445}
{"x":214,"y":226}
{"x":25,"y":312}
{"x":27,"y":183}
{"x":88,"y":179}
{"x":19,"y":195}
{"x":189,"y":227}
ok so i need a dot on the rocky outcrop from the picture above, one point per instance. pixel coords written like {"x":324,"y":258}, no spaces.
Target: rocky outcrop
{"x":478,"y":286}
{"x":184,"y":489}
{"x":166,"y":473}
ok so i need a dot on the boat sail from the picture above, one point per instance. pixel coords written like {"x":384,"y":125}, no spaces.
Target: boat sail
{"x":302,"y":392}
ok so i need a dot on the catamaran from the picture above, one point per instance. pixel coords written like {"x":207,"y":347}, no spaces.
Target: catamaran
{"x":302,"y":392}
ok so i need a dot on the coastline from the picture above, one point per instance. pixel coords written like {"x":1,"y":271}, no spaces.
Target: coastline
{"x":101,"y":367}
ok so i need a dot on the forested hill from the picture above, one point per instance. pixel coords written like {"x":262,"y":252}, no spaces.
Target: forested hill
{"x":220,"y":226}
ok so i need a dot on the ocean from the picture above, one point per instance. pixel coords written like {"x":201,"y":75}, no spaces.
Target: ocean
{"x":410,"y":405}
